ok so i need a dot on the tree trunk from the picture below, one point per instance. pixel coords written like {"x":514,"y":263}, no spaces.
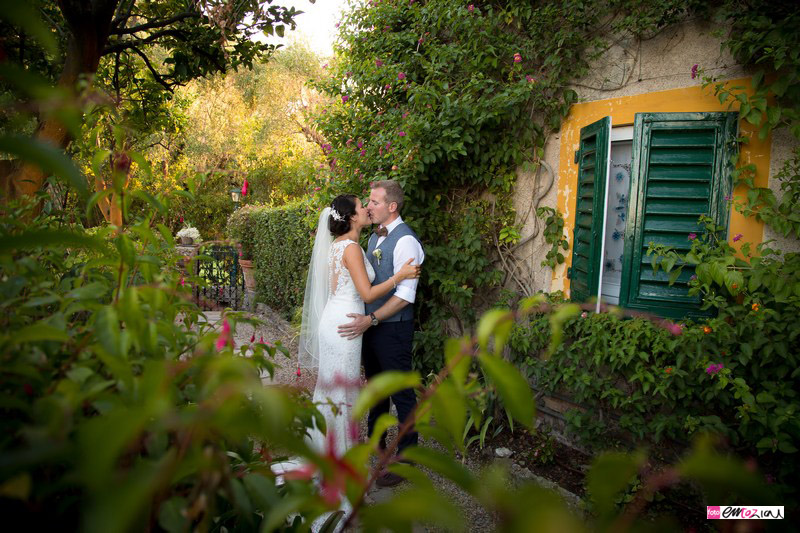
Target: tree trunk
{"x":89,"y":23}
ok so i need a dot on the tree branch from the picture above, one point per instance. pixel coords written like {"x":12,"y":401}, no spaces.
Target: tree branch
{"x":155,"y":24}
{"x":123,"y":45}
{"x":156,"y":75}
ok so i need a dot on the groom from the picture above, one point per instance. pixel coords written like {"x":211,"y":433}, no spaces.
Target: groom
{"x":388,"y":326}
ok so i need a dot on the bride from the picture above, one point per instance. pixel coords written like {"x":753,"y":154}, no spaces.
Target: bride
{"x":339,"y":282}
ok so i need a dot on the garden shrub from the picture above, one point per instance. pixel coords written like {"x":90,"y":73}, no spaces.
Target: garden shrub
{"x":282,"y":242}
{"x":647,"y":380}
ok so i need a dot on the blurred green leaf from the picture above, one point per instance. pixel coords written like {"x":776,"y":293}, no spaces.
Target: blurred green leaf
{"x":512,"y":388}
{"x":381,"y":386}
{"x":610,"y":474}
{"x":25,"y":16}
{"x":50,"y":159}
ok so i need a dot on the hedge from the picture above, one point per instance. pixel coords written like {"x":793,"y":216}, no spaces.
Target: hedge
{"x":281,"y":252}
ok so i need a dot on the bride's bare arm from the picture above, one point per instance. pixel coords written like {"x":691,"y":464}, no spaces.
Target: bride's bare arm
{"x":354,"y":261}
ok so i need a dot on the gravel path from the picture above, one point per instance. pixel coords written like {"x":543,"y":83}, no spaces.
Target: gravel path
{"x":276,"y":329}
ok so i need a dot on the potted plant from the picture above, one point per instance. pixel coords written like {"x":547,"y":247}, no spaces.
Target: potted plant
{"x":189,"y":236}
{"x":240,"y":229}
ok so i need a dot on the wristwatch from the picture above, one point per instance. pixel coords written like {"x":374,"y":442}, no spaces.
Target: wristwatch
{"x":374,"y":319}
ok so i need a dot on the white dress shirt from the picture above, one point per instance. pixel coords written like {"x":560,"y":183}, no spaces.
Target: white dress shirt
{"x":406,"y":247}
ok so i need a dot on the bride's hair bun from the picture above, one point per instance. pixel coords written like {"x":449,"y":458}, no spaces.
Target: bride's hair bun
{"x":343,"y":207}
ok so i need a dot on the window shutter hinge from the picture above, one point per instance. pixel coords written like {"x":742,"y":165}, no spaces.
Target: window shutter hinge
{"x":569,"y":273}
{"x":577,"y":153}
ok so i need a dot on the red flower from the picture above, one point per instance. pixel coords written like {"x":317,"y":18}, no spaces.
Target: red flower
{"x":253,"y":337}
{"x":517,"y":58}
{"x":378,"y":63}
{"x":707,"y":330}
{"x":668,"y":370}
{"x":244,"y":187}
{"x":401,"y":134}
{"x":401,"y":75}
{"x":694,"y":70}
{"x":530,"y":78}
{"x":345,"y":98}
{"x":471,"y":8}
{"x":737,"y":237}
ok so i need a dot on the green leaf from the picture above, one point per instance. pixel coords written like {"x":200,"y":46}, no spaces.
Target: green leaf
{"x":24,"y":15}
{"x":48,"y":158}
{"x":423,"y":505}
{"x":453,"y":349}
{"x":609,"y":475}
{"x":38,"y":332}
{"x":58,"y":239}
{"x":497,"y":321}
{"x":512,"y":388}
{"x":450,"y":410}
{"x":381,"y":386}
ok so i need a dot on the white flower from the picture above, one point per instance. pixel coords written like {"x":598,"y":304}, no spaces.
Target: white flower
{"x":192,"y":233}
{"x":378,"y":254}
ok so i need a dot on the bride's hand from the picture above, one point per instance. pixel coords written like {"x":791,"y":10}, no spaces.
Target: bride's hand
{"x":408,"y":271}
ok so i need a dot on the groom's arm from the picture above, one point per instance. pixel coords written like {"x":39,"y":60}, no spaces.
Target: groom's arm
{"x":407,"y":247}
{"x":361,"y":323}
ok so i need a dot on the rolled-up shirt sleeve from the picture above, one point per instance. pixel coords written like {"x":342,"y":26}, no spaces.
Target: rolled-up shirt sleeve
{"x":407,"y":247}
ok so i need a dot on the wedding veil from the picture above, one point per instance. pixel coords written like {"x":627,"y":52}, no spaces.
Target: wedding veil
{"x":317,"y":287}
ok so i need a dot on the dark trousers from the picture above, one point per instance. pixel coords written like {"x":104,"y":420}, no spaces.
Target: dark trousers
{"x":387,"y":346}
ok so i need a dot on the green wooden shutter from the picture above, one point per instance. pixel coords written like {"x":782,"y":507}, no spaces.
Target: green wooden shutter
{"x":592,"y":172}
{"x":681,"y":170}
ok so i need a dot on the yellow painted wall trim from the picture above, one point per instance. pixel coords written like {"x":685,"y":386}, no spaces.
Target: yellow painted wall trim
{"x":622,"y":111}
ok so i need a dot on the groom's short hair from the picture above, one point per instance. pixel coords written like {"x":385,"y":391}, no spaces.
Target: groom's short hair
{"x":394,"y":193}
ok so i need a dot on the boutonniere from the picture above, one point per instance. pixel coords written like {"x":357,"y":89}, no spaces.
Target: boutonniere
{"x":378,"y":254}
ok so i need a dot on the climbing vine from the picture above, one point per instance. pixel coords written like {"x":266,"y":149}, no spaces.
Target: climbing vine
{"x":452,"y":99}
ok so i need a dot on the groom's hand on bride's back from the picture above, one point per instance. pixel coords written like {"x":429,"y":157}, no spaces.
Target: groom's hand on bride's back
{"x":357,"y":327}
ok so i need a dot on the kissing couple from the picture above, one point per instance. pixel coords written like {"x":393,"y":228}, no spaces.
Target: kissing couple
{"x":376,"y":290}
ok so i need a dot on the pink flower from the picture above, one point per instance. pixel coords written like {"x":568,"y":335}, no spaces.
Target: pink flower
{"x":401,"y":134}
{"x":349,"y":142}
{"x":261,"y":339}
{"x":253,"y":337}
{"x":692,"y":236}
{"x":517,"y":58}
{"x":675,"y":329}
{"x":421,"y":40}
{"x":298,"y":372}
{"x":530,"y":78}
{"x":401,"y":75}
{"x":714,"y":368}
{"x":387,"y":86}
{"x":378,"y":63}
{"x":471,"y":8}
{"x":345,"y":98}
{"x":181,"y":220}
{"x":222,"y":341}
{"x":336,"y":25}
{"x":737,"y":237}
{"x":694,"y":70}
{"x":584,"y":314}
{"x":360,"y":144}
{"x":363,"y":153}
{"x":317,"y":188}
{"x":226,"y":327}
{"x":325,"y":65}
{"x":405,"y":114}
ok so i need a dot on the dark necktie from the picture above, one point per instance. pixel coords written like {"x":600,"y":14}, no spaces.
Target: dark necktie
{"x":381,"y":231}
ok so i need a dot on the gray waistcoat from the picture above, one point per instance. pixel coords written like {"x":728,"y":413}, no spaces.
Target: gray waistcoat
{"x":386,"y":269}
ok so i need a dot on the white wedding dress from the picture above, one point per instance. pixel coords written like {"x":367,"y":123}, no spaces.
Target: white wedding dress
{"x":339,"y":375}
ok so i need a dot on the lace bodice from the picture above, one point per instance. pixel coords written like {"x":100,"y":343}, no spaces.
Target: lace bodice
{"x":341,"y":282}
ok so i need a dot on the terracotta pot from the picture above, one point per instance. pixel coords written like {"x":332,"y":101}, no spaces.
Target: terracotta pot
{"x":187,"y":241}
{"x":249,"y":274}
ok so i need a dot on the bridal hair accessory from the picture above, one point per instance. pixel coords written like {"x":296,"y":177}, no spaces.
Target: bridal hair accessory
{"x":336,"y":216}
